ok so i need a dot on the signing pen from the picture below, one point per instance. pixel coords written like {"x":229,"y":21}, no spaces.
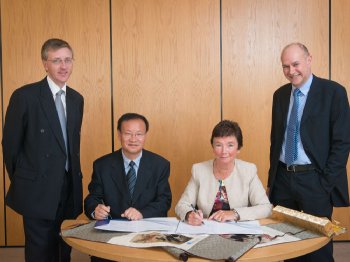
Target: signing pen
{"x":196,"y":211}
{"x":109,"y":215}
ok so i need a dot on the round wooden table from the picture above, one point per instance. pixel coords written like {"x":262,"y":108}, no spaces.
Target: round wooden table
{"x":127,"y":254}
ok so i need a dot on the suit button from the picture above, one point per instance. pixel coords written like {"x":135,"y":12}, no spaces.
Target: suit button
{"x":47,"y":155}
{"x":42,"y":130}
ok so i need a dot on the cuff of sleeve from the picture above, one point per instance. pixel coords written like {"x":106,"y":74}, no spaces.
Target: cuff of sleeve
{"x":238,"y":217}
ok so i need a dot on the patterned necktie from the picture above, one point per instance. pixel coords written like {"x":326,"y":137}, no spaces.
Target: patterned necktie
{"x":131,"y":177}
{"x":63,"y":121}
{"x":291,"y":150}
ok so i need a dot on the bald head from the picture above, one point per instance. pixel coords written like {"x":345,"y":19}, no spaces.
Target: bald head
{"x":298,"y":45}
{"x":296,"y":63}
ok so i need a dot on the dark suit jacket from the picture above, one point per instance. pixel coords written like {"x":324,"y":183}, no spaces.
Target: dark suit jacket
{"x":152,"y":195}
{"x":324,"y":131}
{"x":34,"y":150}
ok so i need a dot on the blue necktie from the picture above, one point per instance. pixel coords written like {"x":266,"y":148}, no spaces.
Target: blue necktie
{"x":63,"y":121}
{"x":131,"y":177}
{"x":291,"y":150}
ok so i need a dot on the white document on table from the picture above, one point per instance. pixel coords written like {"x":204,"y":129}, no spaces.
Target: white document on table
{"x":171,"y":225}
{"x":168,"y":224}
{"x":212,"y":227}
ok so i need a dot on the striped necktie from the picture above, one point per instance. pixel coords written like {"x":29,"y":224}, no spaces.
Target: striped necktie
{"x":131,"y":177}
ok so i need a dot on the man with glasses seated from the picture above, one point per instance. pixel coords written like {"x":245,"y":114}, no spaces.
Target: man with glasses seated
{"x":131,"y":182}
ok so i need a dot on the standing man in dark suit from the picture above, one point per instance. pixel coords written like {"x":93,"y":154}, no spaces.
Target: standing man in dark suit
{"x":130,"y":182}
{"x":310,"y":141}
{"x":41,"y":148}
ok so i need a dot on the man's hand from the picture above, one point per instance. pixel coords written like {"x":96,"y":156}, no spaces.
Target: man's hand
{"x":101,"y":212}
{"x":132,"y":214}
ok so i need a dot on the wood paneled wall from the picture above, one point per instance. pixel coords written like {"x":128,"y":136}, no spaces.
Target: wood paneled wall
{"x":340,"y":66}
{"x":166,"y":66}
{"x":161,"y":58}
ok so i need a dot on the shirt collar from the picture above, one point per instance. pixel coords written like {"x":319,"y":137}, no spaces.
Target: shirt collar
{"x":55,"y":88}
{"x":305,"y":88}
{"x":127,"y":160}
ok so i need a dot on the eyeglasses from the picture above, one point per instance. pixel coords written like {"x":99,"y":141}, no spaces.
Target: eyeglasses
{"x":58,"y":61}
{"x":138,"y":136}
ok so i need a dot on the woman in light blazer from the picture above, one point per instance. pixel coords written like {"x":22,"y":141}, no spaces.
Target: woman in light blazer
{"x":224,"y":188}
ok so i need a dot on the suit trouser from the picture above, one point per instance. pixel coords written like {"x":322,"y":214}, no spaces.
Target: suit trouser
{"x":303,"y":191}
{"x":42,"y":240}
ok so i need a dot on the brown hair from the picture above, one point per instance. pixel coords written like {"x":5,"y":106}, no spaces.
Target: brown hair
{"x":53,"y":44}
{"x":228,"y":128}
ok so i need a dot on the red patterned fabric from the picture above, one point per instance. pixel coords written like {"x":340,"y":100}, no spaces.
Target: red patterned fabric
{"x":221,"y":200}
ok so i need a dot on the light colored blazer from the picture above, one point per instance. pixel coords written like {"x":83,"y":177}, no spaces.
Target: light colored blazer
{"x":244,"y":191}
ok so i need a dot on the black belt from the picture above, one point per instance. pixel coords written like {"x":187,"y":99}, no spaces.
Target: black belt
{"x":297,"y":168}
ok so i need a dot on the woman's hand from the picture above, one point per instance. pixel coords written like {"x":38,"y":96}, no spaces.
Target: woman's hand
{"x":195,"y":218}
{"x":225,"y":215}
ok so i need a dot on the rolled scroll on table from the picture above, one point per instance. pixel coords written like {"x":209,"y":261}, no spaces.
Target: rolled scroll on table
{"x":318,"y":224}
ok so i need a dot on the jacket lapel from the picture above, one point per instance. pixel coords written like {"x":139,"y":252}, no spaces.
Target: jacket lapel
{"x":118,"y":173}
{"x":71,"y":109}
{"x":284,"y":105}
{"x":311,"y":101}
{"x":50,"y":111}
{"x":143,"y":175}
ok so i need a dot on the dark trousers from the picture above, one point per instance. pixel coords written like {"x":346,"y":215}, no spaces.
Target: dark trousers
{"x":303,"y":191}
{"x":42,"y":240}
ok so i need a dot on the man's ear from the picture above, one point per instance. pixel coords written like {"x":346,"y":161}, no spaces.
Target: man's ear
{"x":44,"y":64}
{"x":309,"y":59}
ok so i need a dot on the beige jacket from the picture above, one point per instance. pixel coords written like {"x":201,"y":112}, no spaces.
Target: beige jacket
{"x":244,"y":191}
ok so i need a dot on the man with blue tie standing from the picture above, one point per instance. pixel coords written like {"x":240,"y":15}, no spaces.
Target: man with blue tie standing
{"x":41,"y":148}
{"x":310,"y":142}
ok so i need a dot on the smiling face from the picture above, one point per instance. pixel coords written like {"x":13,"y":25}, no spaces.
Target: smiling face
{"x":225,"y":149}
{"x":59,"y":65}
{"x":132,"y":137}
{"x":296,"y":64}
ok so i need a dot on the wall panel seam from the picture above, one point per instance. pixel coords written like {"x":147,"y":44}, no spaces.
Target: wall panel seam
{"x":330,"y":39}
{"x":221,"y":105}
{"x":2,"y":124}
{"x":111,"y":71}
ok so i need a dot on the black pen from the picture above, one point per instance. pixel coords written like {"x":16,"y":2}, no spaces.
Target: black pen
{"x":196,"y":211}
{"x":109,"y":215}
